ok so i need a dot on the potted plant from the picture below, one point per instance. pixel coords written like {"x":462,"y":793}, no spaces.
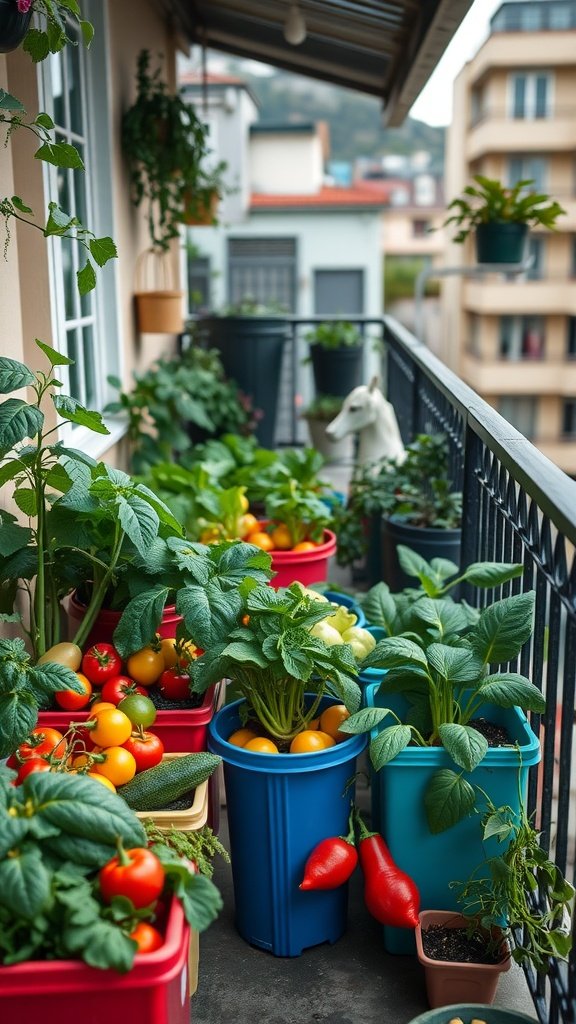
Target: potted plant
{"x":318,"y":414}
{"x":15,"y":17}
{"x":250,"y":338}
{"x":53,"y":957}
{"x":500,"y":217}
{"x":49,"y":35}
{"x":444,"y":724}
{"x":410,"y":503}
{"x":515,"y":904}
{"x":270,"y":646}
{"x":336,"y":354}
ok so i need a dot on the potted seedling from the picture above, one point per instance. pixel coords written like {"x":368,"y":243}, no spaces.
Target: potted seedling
{"x":499,"y":216}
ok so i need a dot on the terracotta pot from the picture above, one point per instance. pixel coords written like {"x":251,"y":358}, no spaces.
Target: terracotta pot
{"x":159,"y":312}
{"x":200,"y":209}
{"x":450,"y":982}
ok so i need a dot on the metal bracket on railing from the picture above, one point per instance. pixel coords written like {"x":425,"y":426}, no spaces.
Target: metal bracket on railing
{"x":478,"y":270}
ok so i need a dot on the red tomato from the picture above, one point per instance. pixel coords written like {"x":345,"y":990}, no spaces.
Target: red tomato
{"x":42,"y":740}
{"x":140,"y":879}
{"x":174,"y":684}
{"x":146,"y":749}
{"x":33,"y":764}
{"x":71,"y":701}
{"x":147,"y":936}
{"x":100,"y":663}
{"x":118,"y":687}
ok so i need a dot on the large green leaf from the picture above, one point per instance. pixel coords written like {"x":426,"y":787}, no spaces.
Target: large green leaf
{"x":379,"y":607}
{"x":388,"y":744}
{"x":24,"y":882}
{"x":70,"y":409}
{"x":492,"y":574}
{"x":347,"y":691}
{"x":14,"y":375}
{"x":443,"y":615}
{"x":393,"y":652}
{"x":456,"y":664}
{"x":13,"y":537}
{"x":50,"y":676}
{"x":364,"y":720}
{"x":448,"y":798}
{"x":465,"y":745}
{"x":250,"y":653}
{"x":140,"y":620}
{"x":509,"y":689}
{"x":193,"y":605}
{"x":18,"y":420}
{"x":12,"y":831}
{"x":55,"y":358}
{"x":138,"y":520}
{"x":18,"y":715}
{"x":503,"y":628}
{"x":82,"y":807}
{"x":200,"y":899}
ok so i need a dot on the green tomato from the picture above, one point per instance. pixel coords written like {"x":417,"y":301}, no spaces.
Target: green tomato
{"x":139,"y":709}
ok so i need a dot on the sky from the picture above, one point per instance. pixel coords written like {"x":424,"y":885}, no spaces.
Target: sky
{"x":434,"y":104}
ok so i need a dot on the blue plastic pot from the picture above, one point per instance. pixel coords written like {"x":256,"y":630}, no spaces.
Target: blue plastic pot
{"x":433,"y":861}
{"x":470,"y":1011}
{"x":347,"y":602}
{"x":280,"y":806}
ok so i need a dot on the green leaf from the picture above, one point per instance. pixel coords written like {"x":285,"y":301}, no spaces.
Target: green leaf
{"x":379,"y":607}
{"x":12,"y":830}
{"x":444,"y":616}
{"x":456,"y":664}
{"x":86,"y":278}
{"x":412,"y":563}
{"x":50,"y":677}
{"x":21,"y":206}
{"x":509,"y":689}
{"x":492,"y":574}
{"x":26,"y":500}
{"x":391,"y":741}
{"x":201,"y":900}
{"x":9,"y":102}
{"x":193,"y":605}
{"x":72,"y":411}
{"x":18,"y":421}
{"x":465,"y":745}
{"x":140,"y":620}
{"x":246,"y":652}
{"x":36,"y":44}
{"x":55,"y":358}
{"x":102,"y":250}
{"x":18,"y":715}
{"x":138,"y":520}
{"x":87,"y":30}
{"x":24,"y":883}
{"x":394,"y":651}
{"x":44,"y":120}
{"x":364,"y":720}
{"x":81,"y":807}
{"x":448,"y":799}
{"x":13,"y":537}
{"x":14,"y":375}
{"x":60,"y":154}
{"x":503,"y":628}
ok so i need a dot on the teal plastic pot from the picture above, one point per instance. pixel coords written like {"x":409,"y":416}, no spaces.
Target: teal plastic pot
{"x":469,"y":1011}
{"x":398,"y":789}
{"x":372,"y":676}
{"x":280,"y":806}
{"x":501,"y":242}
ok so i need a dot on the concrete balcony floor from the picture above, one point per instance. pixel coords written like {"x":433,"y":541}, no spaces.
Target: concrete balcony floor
{"x":354,"y":981}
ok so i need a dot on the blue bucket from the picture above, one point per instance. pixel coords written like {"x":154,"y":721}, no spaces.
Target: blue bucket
{"x":372,"y":676}
{"x":433,"y":861}
{"x":347,"y":602}
{"x":280,"y":806}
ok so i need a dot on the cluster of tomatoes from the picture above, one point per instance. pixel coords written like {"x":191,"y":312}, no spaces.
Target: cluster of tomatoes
{"x":321,"y":733}
{"x":272,"y":536}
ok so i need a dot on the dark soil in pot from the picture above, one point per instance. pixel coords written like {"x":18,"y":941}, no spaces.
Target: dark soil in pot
{"x":162,"y":703}
{"x":456,"y":945}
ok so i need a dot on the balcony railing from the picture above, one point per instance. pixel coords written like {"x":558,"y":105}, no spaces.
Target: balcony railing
{"x":518,"y":507}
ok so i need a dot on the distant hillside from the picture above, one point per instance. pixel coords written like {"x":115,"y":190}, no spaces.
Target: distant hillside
{"x":355,"y":120}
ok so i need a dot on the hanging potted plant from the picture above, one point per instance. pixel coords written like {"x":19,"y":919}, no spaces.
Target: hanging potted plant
{"x":500,"y":216}
{"x":336,"y":354}
{"x":15,"y":17}
{"x":166,"y":145}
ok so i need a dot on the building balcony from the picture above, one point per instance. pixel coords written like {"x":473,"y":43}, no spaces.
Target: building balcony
{"x":499,"y":133}
{"x":519,"y":377}
{"x":496,"y":296}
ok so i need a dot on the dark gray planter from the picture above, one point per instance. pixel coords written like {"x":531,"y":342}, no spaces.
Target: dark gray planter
{"x":13,"y":25}
{"x":337,"y":370}
{"x":426,"y":541}
{"x":501,"y":242}
{"x":251,"y":349}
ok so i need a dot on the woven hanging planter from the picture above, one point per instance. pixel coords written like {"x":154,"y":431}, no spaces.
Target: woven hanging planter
{"x":159,"y":308}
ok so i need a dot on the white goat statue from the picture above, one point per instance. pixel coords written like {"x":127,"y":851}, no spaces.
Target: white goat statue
{"x":367,"y":412}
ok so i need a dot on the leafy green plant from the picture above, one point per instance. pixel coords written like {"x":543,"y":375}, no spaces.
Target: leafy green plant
{"x":271,"y":655}
{"x":445,"y":676}
{"x":521,"y":891}
{"x":323,"y":407}
{"x":417,"y":490}
{"x":198,"y":845}
{"x":58,"y":831}
{"x":51,"y":30}
{"x":249,"y":306}
{"x":334,"y":334}
{"x":207,"y":510}
{"x":489,"y":200}
{"x":174,"y":395}
{"x":167,"y":147}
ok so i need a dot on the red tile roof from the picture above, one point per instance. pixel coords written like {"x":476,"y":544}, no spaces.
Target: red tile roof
{"x":328,"y":196}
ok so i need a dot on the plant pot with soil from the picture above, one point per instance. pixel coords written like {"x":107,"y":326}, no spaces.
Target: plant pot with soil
{"x":337,"y":357}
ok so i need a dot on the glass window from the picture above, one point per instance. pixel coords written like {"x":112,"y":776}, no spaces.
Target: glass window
{"x":528,"y":168}
{"x":537,"y":250}
{"x":520,"y":411}
{"x":420,"y":228}
{"x":569,"y":417}
{"x":530,"y":94}
{"x":198,"y":284}
{"x":521,"y":337}
{"x":571,"y":338}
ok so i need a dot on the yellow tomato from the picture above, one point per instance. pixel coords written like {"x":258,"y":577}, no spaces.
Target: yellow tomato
{"x":100,"y":705}
{"x":261,"y":745}
{"x":331,"y":719}
{"x":146,"y":666}
{"x":281,"y":537}
{"x":247,"y":524}
{"x":168,"y":651}
{"x":102,"y":778}
{"x":304,"y":545}
{"x":241,"y":736}
{"x":309,"y":741}
{"x":119,"y":766}
{"x":261,"y":540}
{"x":112,"y":728}
{"x":244,"y":503}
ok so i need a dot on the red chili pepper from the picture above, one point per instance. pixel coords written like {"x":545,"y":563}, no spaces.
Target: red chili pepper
{"x":331,"y":862}
{"x":390,"y":895}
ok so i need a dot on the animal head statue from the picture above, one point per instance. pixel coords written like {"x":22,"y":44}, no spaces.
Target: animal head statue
{"x":366,"y":412}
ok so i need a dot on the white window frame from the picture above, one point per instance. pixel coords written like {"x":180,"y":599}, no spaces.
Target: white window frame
{"x":95,"y":78}
{"x":531,"y":77}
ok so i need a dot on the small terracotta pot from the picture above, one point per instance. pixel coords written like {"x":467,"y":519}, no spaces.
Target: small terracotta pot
{"x":450,"y":982}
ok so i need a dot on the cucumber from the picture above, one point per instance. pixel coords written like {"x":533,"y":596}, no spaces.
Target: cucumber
{"x":155,"y":788}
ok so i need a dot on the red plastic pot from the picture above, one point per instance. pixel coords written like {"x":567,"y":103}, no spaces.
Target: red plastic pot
{"x":107,"y":620}
{"x":155,"y":991}
{"x":303,"y":566}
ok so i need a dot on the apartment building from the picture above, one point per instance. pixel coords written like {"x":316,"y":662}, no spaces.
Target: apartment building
{"x":513,"y":338}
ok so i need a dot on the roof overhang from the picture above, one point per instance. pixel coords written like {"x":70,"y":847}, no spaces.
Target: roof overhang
{"x":385,"y":48}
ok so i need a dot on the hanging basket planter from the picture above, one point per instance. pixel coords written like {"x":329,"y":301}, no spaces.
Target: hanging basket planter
{"x":201,"y":208}
{"x":13,"y":25}
{"x":159,"y":307}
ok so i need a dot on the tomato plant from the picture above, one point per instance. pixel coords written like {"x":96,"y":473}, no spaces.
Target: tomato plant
{"x":112,"y":728}
{"x":146,"y":666}
{"x":72,"y":701}
{"x":137,"y":874}
{"x":118,"y":687}
{"x":100,"y":663}
{"x":139,"y":709}
{"x":42,"y":740}
{"x":174,"y":684}
{"x":147,"y":937}
{"x":146,"y":749}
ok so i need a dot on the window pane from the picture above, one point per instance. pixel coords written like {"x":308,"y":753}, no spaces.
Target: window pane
{"x":69,"y":278}
{"x":541,"y":96}
{"x":569,"y":417}
{"x":571,"y":337}
{"x":57,"y":87}
{"x":91,"y":394}
{"x":519,"y":96}
{"x":74,"y":369}
{"x":520,"y":412}
{"x":74,"y":88}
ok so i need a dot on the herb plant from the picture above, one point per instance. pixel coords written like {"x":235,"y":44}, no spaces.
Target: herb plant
{"x":323,"y":407}
{"x":334,"y":334}
{"x":489,"y":200}
{"x":267,"y":649}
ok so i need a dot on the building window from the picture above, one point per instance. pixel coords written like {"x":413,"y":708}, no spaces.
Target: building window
{"x":85,"y":326}
{"x":569,"y":417}
{"x":263,"y":270}
{"x":573,"y":257}
{"x":198,"y":276}
{"x":520,"y":411}
{"x":537,"y":250}
{"x":527,"y":168}
{"x":521,"y":337}
{"x":474,"y":342}
{"x":530,"y":94}
{"x":420,"y":228}
{"x":571,"y":338}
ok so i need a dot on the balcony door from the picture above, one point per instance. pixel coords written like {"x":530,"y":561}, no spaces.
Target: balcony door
{"x":339,"y":292}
